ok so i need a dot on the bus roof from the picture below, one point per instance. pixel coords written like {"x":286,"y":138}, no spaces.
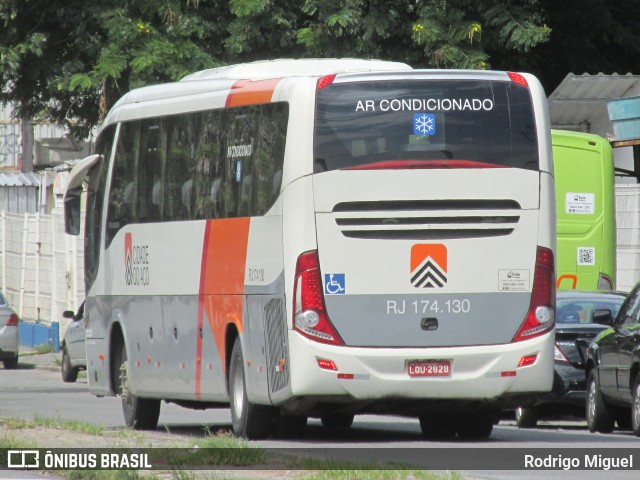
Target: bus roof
{"x":223,"y":79}
{"x":581,"y":140}
{"x":265,"y":69}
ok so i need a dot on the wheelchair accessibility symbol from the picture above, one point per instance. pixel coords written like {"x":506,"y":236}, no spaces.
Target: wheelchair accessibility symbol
{"x":334,"y":283}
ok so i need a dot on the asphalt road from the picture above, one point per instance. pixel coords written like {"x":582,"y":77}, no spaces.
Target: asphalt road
{"x":28,"y":392}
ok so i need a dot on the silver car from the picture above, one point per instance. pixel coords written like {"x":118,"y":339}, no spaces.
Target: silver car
{"x":74,"y":356}
{"x":9,"y":339}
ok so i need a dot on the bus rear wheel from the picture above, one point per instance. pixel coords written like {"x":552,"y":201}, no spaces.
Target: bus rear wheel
{"x":254,"y":422}
{"x":476,"y":426}
{"x":438,"y":426}
{"x":139,"y":413}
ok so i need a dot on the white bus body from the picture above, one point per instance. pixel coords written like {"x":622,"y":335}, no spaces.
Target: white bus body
{"x":322,"y":238}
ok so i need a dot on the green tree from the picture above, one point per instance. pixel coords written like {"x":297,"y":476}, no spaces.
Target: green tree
{"x":587,"y":36}
{"x":68,"y":61}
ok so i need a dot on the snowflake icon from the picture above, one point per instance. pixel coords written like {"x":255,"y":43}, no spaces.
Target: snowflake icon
{"x":424,"y":124}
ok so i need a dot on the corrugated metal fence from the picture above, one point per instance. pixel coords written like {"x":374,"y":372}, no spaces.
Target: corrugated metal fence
{"x":628,"y":236}
{"x":41,"y":267}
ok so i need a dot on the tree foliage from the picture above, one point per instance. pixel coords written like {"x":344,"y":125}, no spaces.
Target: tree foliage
{"x":68,"y":61}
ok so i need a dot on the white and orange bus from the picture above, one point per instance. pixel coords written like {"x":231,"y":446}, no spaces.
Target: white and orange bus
{"x":322,"y":238}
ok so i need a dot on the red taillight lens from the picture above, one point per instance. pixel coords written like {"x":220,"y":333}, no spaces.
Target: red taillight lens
{"x":517,"y":78}
{"x":309,"y":313}
{"x":541,"y":315}
{"x":527,"y":360}
{"x":605,"y":282}
{"x":326,"y":81}
{"x":327,"y":364}
{"x":13,"y":320}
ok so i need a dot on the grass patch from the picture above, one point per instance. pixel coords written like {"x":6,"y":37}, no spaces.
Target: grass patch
{"x":110,"y":475}
{"x":9,"y":441}
{"x":14,"y":423}
{"x":381,"y":475}
{"x":43,"y":348}
{"x":335,"y":469}
{"x":219,"y":450}
{"x":74,"y":425}
{"x":128,"y":433}
{"x":216,"y":450}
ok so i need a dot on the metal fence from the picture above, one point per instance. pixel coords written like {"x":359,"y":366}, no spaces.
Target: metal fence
{"x":41,"y":267}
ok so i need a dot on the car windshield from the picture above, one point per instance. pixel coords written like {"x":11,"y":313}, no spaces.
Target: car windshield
{"x":580,"y":310}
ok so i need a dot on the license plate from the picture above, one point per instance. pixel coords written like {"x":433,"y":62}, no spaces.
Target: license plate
{"x":429,"y":368}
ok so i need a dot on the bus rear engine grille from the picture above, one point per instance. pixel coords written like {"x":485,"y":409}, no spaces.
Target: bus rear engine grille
{"x":427,"y":219}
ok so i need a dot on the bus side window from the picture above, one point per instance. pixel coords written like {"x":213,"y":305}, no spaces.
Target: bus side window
{"x":123,"y":188}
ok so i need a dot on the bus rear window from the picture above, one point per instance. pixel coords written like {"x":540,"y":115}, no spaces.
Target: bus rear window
{"x":424,"y":124}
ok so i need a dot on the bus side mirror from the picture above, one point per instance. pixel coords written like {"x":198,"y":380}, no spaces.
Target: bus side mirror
{"x":602,"y":317}
{"x":72,"y":211}
{"x":73,"y":193}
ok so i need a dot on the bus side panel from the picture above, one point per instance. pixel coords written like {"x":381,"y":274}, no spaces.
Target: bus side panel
{"x":265,"y":324}
{"x":181,"y":328}
{"x":547,"y":220}
{"x":97,"y":313}
{"x":145,"y":339}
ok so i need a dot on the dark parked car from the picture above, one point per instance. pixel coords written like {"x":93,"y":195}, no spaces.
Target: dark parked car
{"x":74,"y":356}
{"x":575,"y":329}
{"x":613,"y":369}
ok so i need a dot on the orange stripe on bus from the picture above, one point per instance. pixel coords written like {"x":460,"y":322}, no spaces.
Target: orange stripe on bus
{"x":246,"y":92}
{"x":222,"y":282}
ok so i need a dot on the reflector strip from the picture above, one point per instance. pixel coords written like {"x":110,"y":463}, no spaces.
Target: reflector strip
{"x":345,"y":376}
{"x":508,"y":374}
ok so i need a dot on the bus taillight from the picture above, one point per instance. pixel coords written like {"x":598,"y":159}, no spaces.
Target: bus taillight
{"x":541,"y":315}
{"x":518,"y":79}
{"x":309,"y":313}
{"x":326,"y":81}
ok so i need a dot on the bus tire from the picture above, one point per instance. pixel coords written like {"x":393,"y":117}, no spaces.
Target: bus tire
{"x":599,"y":418}
{"x":526,"y":417}
{"x":337,"y":420}
{"x":253,"y":422}
{"x":139,"y":413}
{"x":476,"y":426}
{"x":438,"y":426}
{"x":69,"y":373}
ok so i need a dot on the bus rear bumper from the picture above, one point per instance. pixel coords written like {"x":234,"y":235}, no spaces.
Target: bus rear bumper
{"x":489,"y":373}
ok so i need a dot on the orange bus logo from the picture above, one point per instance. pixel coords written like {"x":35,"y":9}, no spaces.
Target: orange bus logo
{"x":429,"y":265}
